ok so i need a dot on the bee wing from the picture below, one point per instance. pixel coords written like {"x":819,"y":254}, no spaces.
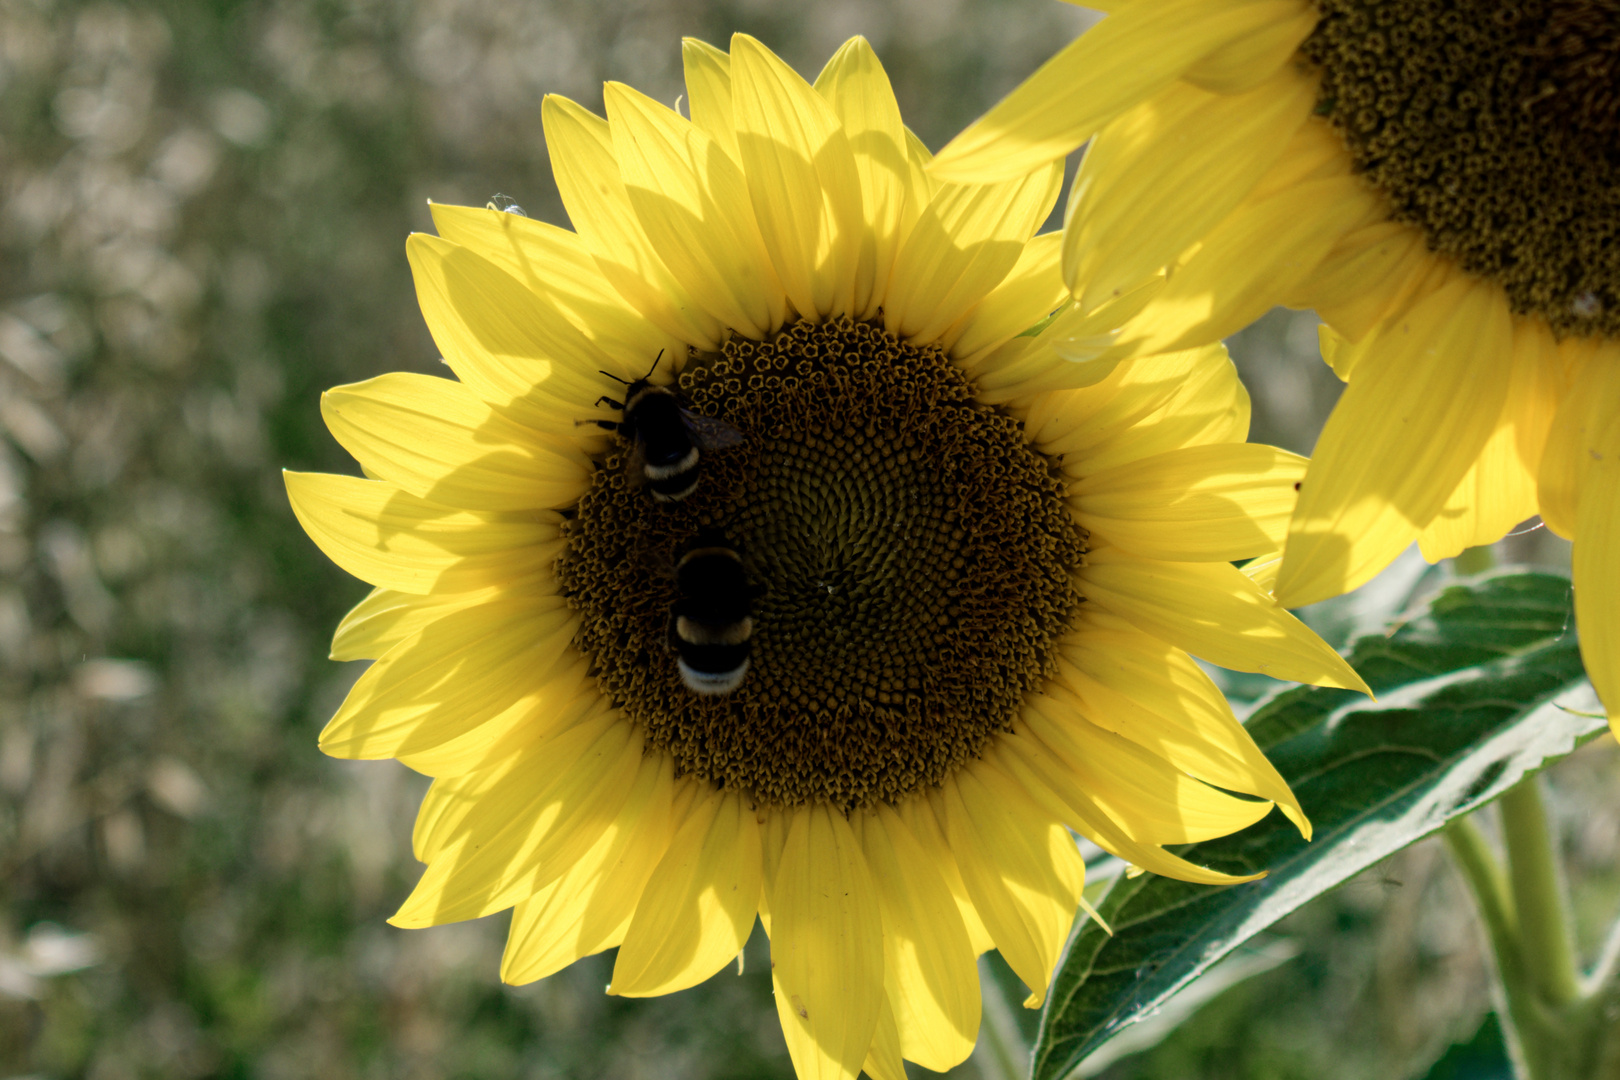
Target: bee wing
{"x":709,"y":433}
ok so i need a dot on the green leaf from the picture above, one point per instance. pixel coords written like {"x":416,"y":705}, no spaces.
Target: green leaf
{"x":1243,"y":964}
{"x":1466,"y":708}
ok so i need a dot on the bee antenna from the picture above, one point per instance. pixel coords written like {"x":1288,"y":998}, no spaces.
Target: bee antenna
{"x":612,"y":376}
{"x":654,"y":368}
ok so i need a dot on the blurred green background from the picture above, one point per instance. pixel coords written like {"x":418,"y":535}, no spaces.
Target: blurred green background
{"x":202,"y":214}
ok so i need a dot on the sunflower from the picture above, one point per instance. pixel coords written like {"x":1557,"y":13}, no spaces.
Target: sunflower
{"x":975,"y":553}
{"x":1437,"y":179}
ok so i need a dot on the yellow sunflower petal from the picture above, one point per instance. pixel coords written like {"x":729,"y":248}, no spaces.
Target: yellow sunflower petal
{"x":545,"y":935}
{"x":1162,"y":175}
{"x":1336,"y":351}
{"x":708,"y":93}
{"x":966,"y":241}
{"x":856,"y":86}
{"x":587,"y":172}
{"x":1122,"y":60}
{"x":1544,"y":378}
{"x":1499,"y":490}
{"x":450,"y":799}
{"x":513,"y":347}
{"x":1263,"y":571}
{"x":826,"y":946}
{"x":389,"y":537}
{"x":1410,"y":425}
{"x":1020,"y":867}
{"x":387,"y":617}
{"x":530,"y":827}
{"x":925,"y":825}
{"x":1154,"y":694}
{"x":565,"y":697}
{"x":693,"y":205}
{"x":1316,"y":152}
{"x":921,"y":185}
{"x":699,"y":904}
{"x":556,"y":264}
{"x":1558,"y":477}
{"x":447,"y":802}
{"x":1072,"y":424}
{"x":1076,"y":350}
{"x":1152,"y":801}
{"x":1033,"y":764}
{"x":1367,"y":275}
{"x":1029,"y":293}
{"x":1198,"y":504}
{"x":1255,"y":57}
{"x":934,"y":983}
{"x":1597,"y":571}
{"x":883,"y":1060}
{"x":1212,"y":610}
{"x":1210,"y":406}
{"x":452,"y":675}
{"x":588,"y":909}
{"x":802,"y":178}
{"x":1254,"y":256}
{"x":1593,"y":398}
{"x":773,"y":830}
{"x":438,"y":441}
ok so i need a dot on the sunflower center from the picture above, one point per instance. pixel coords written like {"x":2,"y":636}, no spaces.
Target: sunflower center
{"x":910,"y":554}
{"x":1495,"y":127}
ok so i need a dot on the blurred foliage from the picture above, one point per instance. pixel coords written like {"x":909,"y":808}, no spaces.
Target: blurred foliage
{"x":202,"y":213}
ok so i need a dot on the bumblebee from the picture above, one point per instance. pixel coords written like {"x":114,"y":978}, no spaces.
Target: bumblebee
{"x":713,"y":616}
{"x":667,"y":440}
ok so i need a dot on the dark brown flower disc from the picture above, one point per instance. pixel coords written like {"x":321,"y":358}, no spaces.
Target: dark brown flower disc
{"x":1495,"y":128}
{"x":913,"y":557}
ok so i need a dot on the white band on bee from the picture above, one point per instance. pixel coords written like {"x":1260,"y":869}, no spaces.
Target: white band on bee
{"x":661,"y":472}
{"x":712,"y":682}
{"x":697,"y":633}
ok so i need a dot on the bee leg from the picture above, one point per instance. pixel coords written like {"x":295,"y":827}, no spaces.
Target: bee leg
{"x":611,"y":403}
{"x":605,"y":425}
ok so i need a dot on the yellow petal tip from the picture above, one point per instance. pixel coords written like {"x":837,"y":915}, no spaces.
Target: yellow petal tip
{"x":1352,"y":680}
{"x":1297,"y":816}
{"x":1085,"y":906}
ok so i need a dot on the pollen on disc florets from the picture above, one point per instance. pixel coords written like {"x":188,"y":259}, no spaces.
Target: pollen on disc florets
{"x":1495,"y":127}
{"x":912,"y":551}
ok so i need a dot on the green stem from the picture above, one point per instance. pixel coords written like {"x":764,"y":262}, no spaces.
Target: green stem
{"x":1558,"y":1028}
{"x":1538,"y":895}
{"x":1480,"y":867}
